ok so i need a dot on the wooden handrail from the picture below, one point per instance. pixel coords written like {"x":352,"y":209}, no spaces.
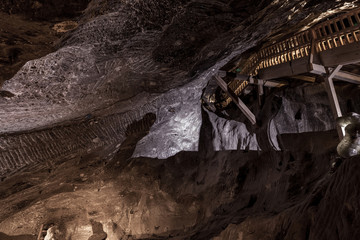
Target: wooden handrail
{"x":339,"y":31}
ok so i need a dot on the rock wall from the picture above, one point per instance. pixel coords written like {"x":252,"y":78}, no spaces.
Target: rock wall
{"x":307,"y":109}
{"x":231,"y":135}
{"x":303,"y":109}
{"x":192,"y":195}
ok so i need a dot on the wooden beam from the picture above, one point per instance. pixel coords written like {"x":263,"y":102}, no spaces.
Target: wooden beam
{"x":40,"y":232}
{"x":260,"y":91}
{"x":260,"y":84}
{"x":294,"y":67}
{"x":334,"y":72}
{"x":344,"y":55}
{"x":334,"y":102}
{"x":317,"y":69}
{"x":267,"y":83}
{"x":304,"y":78}
{"x":241,"y":76}
{"x":312,"y":47}
{"x":340,"y":75}
{"x":274,"y":84}
{"x":348,"y":77}
{"x":240,"y":104}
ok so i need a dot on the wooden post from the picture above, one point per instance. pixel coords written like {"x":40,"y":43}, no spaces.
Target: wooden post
{"x":334,"y":102}
{"x":260,"y":90}
{"x":240,"y":104}
{"x":312,"y":48}
{"x":40,"y":232}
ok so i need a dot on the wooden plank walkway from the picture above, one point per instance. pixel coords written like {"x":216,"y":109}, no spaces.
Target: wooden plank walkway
{"x":331,"y":43}
{"x":320,"y":50}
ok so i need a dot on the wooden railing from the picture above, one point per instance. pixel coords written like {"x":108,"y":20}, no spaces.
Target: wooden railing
{"x":237,"y":86}
{"x":336,"y":32}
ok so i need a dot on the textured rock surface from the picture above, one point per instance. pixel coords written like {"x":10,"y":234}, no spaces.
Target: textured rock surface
{"x":231,"y":135}
{"x":44,"y":10}
{"x":178,"y":125}
{"x":21,"y":41}
{"x":116,"y":56}
{"x":106,"y":136}
{"x":326,"y":214}
{"x":302,"y":109}
{"x":350,"y":144}
{"x":307,"y":109}
{"x":192,"y":195}
{"x":26,"y":30}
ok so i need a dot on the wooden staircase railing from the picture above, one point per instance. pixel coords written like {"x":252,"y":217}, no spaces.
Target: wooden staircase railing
{"x":237,"y":86}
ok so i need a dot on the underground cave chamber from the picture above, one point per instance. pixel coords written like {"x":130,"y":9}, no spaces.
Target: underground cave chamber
{"x":189,"y":119}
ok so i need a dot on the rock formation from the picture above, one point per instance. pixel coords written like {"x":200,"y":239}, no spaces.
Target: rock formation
{"x":103,"y":132}
{"x":350,"y":144}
